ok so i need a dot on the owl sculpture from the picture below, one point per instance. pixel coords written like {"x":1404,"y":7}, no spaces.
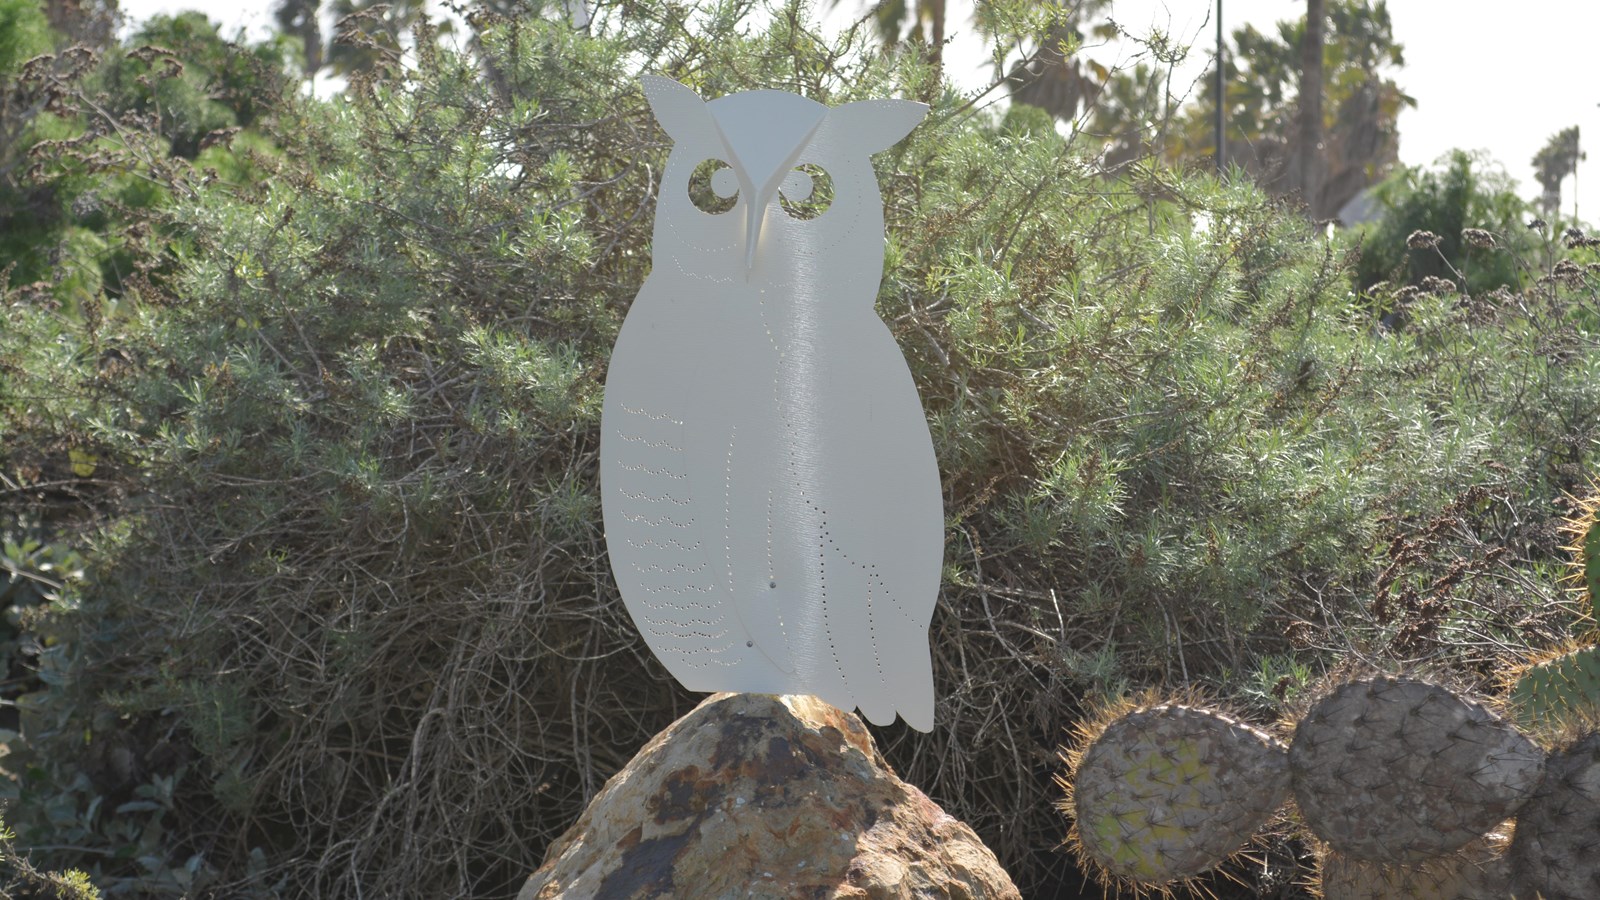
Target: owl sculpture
{"x":772,"y":504}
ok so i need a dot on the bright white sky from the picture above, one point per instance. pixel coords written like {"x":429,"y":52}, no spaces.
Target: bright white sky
{"x":1482,"y":79}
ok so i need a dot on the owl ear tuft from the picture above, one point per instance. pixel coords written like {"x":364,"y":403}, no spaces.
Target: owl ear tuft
{"x":678,"y":108}
{"x":875,"y":125}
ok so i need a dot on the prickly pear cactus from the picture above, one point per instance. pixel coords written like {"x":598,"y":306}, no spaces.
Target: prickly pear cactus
{"x":1562,"y":689}
{"x":1478,"y":871}
{"x":1584,"y":529}
{"x":1555,"y":853}
{"x":1395,"y":770}
{"x":1163,"y":793}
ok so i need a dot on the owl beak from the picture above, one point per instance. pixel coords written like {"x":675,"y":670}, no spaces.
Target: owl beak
{"x":764,"y":133}
{"x":755,"y":214}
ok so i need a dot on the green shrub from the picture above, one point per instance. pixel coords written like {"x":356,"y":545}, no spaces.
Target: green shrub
{"x":88,"y":140}
{"x":24,"y":33}
{"x":190,"y":81}
{"x":1466,"y":192}
{"x":17,"y":872}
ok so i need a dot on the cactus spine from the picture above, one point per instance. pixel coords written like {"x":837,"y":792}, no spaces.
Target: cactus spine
{"x":1584,"y":529}
{"x":1555,"y":853}
{"x":1557,"y":691}
{"x":1478,"y":871}
{"x":1394,"y":770}
{"x":1563,"y":688}
{"x":1162,"y":793}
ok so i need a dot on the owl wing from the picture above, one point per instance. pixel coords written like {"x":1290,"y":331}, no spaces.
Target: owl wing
{"x":684,"y":530}
{"x":885,"y":541}
{"x":731,"y":453}
{"x":655,"y":516}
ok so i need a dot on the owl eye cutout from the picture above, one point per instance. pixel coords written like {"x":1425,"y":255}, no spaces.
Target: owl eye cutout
{"x":806,"y":192}
{"x":713,"y":188}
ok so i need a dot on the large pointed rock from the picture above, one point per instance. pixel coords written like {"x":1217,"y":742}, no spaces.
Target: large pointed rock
{"x":752,"y":795}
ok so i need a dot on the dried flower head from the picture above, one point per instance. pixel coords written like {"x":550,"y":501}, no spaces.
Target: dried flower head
{"x":1576,"y":239}
{"x":1433,"y":284}
{"x":1422,"y":240}
{"x":1477,"y":237}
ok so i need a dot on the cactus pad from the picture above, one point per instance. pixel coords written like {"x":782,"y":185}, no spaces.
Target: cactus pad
{"x":1555,"y":853}
{"x":1562,"y":689}
{"x":1166,"y":792}
{"x":1393,"y":770}
{"x":1478,"y":871}
{"x":1584,"y":528}
{"x":1589,"y":559}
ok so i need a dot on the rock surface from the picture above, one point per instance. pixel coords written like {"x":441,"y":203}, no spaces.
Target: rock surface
{"x":751,"y":795}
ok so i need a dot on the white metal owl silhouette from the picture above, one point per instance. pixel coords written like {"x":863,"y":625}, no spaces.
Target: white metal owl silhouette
{"x":772,"y":504}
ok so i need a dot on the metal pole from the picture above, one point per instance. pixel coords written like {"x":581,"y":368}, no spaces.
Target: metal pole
{"x":1222,"y":152}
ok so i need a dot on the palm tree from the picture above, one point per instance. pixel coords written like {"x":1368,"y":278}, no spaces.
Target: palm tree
{"x":1558,"y":159}
{"x":921,"y":22}
{"x":1054,"y":78}
{"x":1309,"y":162}
{"x":367,"y":30}
{"x":1290,"y":118}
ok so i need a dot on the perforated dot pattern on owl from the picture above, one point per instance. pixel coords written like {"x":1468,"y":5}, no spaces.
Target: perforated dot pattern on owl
{"x":772,"y":504}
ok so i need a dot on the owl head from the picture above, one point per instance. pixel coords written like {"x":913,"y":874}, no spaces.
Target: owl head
{"x":765,"y":184}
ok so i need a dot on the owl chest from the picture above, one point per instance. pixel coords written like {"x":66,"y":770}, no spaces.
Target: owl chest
{"x":794,"y":365}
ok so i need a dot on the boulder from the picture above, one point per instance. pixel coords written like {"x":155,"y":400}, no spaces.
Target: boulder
{"x":760,"y":796}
